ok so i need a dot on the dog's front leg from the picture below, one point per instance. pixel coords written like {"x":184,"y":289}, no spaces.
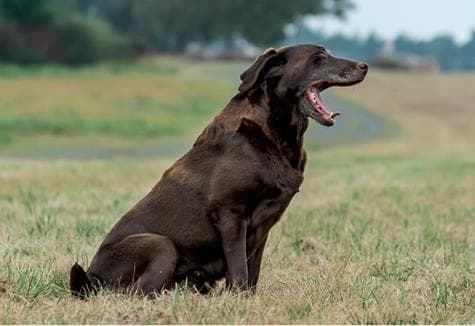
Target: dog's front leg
{"x":233,"y":235}
{"x":254,"y":264}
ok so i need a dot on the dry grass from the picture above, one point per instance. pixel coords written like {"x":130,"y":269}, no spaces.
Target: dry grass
{"x":435,"y":112}
{"x":141,"y":101}
{"x":381,"y":232}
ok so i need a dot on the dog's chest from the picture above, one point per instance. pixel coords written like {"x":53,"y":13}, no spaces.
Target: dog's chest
{"x":274,"y":197}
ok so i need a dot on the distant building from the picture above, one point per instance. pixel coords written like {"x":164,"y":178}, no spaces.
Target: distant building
{"x":389,"y":58}
{"x":236,"y":48}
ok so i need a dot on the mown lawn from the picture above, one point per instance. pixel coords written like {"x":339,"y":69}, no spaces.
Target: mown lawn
{"x":382,"y":231}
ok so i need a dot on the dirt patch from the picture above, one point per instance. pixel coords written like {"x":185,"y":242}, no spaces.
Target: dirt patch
{"x":3,"y":287}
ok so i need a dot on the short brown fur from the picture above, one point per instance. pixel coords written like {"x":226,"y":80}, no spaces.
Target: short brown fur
{"x":210,"y":214}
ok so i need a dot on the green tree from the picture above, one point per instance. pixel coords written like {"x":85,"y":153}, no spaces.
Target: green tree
{"x":466,"y":59}
{"x":170,"y":24}
{"x":27,"y":12}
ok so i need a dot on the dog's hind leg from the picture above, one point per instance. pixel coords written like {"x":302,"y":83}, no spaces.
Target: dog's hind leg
{"x":159,"y":272}
{"x":145,"y":262}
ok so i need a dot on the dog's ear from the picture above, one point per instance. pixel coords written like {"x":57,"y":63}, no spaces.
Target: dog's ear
{"x":265,"y":66}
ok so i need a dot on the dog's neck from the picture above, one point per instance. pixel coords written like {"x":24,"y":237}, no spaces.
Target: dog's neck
{"x":288,"y":126}
{"x":282,"y":122}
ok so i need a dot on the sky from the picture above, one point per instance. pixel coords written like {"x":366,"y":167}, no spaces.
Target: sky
{"x":421,"y":19}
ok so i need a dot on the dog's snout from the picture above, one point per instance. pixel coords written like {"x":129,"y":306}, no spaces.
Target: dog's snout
{"x":363,"y":65}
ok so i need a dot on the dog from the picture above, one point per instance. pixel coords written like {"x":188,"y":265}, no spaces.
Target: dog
{"x":209,"y":216}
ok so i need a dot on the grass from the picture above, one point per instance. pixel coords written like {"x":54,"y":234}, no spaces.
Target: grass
{"x":143,"y":100}
{"x":381,"y":232}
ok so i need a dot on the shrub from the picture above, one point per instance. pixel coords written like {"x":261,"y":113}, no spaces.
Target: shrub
{"x":71,"y":40}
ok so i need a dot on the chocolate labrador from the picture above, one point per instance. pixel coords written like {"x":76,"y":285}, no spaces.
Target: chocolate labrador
{"x":210,"y":214}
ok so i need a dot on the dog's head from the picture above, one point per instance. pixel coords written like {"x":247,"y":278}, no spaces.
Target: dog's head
{"x":297,"y":74}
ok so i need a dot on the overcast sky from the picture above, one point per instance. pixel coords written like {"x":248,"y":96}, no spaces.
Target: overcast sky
{"x":419,"y":18}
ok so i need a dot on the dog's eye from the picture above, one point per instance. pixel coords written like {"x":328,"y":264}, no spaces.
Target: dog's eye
{"x":319,"y":56}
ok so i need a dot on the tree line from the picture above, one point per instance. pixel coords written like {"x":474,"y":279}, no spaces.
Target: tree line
{"x":84,"y":31}
{"x":87,"y":31}
{"x":450,"y":55}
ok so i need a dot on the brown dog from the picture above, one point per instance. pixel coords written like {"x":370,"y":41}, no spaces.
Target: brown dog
{"x":210,"y":214}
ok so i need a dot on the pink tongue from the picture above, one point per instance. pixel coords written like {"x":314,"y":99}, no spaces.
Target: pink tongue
{"x":323,"y":106}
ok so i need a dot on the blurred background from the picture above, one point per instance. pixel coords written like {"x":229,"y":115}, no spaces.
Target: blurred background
{"x":99,"y":97}
{"x":99,"y":78}
{"x":76,"y":32}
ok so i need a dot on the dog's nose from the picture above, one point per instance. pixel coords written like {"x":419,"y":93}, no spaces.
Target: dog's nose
{"x":363,"y":65}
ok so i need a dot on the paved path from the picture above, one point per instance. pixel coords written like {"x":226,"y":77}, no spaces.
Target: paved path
{"x":355,"y":125}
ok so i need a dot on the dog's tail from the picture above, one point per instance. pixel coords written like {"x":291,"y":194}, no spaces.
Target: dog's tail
{"x":80,"y":283}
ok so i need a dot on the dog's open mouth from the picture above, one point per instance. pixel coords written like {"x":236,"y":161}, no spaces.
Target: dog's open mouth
{"x":327,"y":117}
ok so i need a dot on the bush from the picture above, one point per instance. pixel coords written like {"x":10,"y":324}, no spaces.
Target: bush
{"x":72,"y":40}
{"x":14,"y":46}
{"x":84,"y":41}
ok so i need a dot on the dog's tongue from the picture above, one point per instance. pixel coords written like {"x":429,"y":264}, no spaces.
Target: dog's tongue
{"x":321,"y":107}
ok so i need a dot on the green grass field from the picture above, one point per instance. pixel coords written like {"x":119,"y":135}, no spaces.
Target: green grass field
{"x":383,"y":230}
